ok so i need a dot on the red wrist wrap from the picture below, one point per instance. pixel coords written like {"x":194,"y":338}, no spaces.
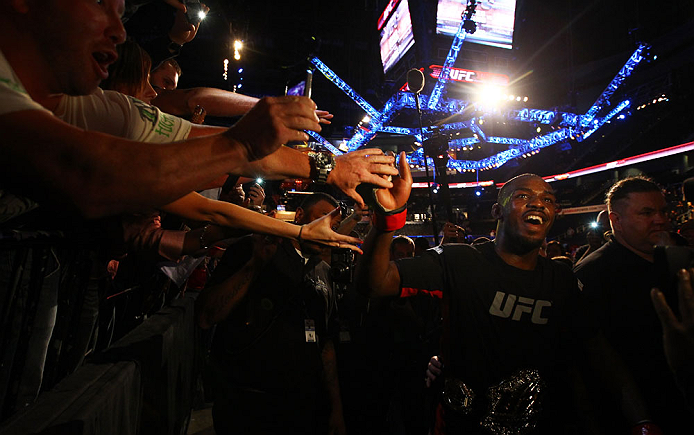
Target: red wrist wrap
{"x":646,"y":428}
{"x":389,"y":223}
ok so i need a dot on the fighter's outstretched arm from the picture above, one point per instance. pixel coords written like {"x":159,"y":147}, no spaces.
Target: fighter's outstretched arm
{"x":375,"y":272}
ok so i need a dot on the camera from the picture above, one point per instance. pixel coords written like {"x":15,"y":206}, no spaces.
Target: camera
{"x":194,"y":12}
{"x":341,"y":269}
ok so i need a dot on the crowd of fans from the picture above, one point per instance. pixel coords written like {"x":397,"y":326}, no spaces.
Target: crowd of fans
{"x":492,"y":335}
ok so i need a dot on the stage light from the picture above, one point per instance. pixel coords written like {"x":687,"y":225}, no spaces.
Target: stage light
{"x":259,"y":180}
{"x":511,"y":97}
{"x":525,"y":98}
{"x":518,"y":98}
{"x":621,"y":116}
{"x":240,"y":70}
{"x":593,"y":224}
{"x":366,"y":119}
{"x":202,"y":15}
{"x":478,"y":193}
{"x":489,"y":94}
{"x":237,"y":55}
{"x":238,"y":44}
{"x":538,"y":129}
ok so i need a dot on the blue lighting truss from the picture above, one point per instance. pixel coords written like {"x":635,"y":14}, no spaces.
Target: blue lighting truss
{"x":465,"y":142}
{"x":351,"y":93}
{"x":599,"y":123}
{"x":435,"y":95}
{"x":506,"y":140}
{"x":400,"y":130}
{"x":321,"y":140}
{"x":574,"y":126}
{"x":604,"y":98}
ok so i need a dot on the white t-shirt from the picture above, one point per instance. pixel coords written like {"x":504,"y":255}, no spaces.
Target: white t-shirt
{"x":120,"y":115}
{"x":13,"y":96}
{"x":104,"y":111}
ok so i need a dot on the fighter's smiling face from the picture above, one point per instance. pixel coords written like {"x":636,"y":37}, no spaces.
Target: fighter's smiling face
{"x":526,"y":212}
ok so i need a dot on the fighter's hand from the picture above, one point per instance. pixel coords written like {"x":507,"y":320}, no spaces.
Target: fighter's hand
{"x":324,"y":116}
{"x":433,"y":370}
{"x":397,"y":196}
{"x":272,"y":122}
{"x":678,"y":336}
{"x":320,"y":231}
{"x":362,"y":166}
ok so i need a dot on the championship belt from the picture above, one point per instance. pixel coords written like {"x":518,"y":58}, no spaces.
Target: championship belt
{"x":515,"y":404}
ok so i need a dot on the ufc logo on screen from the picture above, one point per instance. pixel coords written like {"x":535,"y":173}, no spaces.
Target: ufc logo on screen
{"x":511,"y":305}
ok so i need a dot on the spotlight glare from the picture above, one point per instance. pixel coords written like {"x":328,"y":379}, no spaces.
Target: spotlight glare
{"x":202,"y":15}
{"x":238,"y":44}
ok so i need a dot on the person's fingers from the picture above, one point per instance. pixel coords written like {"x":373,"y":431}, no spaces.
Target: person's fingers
{"x":383,"y":169}
{"x":352,"y":193}
{"x":662,"y":309}
{"x":377,"y":181}
{"x":685,"y":296}
{"x":347,"y":245}
{"x":176,"y":4}
{"x":367,"y":152}
{"x":381,"y":159}
{"x":405,"y":173}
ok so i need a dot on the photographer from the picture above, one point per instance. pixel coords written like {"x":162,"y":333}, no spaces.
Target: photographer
{"x":273,"y":353}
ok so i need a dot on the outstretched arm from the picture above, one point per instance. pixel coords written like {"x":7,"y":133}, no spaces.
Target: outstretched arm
{"x":196,"y":207}
{"x":102,"y":175}
{"x":375,"y":271}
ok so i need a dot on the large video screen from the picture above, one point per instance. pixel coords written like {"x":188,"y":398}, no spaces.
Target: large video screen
{"x":396,"y":36}
{"x":495,"y":21}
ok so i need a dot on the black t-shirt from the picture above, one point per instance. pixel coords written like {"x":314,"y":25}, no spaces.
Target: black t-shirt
{"x":261,"y":350}
{"x":501,"y":319}
{"x":615,"y":299}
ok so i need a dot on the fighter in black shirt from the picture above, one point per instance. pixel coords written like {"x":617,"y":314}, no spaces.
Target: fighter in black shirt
{"x":506,"y":310}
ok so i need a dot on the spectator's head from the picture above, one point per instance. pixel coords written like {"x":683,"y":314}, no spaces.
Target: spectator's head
{"x":554,"y":249}
{"x":421,"y":244}
{"x":402,"y":247}
{"x":166,"y":75}
{"x":69,"y":43}
{"x":525,"y":211}
{"x":638,"y":215}
{"x":313,"y":207}
{"x":129,"y":75}
{"x":563,"y":259}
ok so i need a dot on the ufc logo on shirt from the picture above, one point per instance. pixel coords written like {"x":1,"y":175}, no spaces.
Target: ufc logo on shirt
{"x":515,"y":306}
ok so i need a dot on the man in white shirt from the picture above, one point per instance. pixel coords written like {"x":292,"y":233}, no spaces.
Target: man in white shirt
{"x":57,"y":47}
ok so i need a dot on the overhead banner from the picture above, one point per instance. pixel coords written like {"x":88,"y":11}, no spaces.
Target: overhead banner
{"x":471,"y":76}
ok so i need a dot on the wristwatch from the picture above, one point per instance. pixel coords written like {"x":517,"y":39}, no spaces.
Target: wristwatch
{"x":321,"y":165}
